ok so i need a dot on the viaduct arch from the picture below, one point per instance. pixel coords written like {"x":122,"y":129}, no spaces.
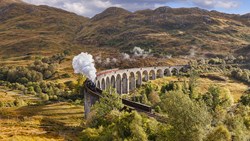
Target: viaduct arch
{"x":127,"y":80}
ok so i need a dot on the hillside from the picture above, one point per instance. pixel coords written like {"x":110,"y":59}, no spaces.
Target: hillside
{"x":28,"y":29}
{"x":169,"y":30}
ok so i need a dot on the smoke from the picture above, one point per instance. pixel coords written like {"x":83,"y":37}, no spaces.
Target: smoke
{"x":125,"y":56}
{"x":139,"y":52}
{"x":114,"y":60}
{"x":107,"y":61}
{"x":84,"y":64}
{"x":169,"y":56}
{"x":192,"y":52}
{"x":98,"y":59}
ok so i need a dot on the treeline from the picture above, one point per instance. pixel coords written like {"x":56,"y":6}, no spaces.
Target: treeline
{"x":230,"y":59}
{"x":32,"y":79}
{"x":223,"y":66}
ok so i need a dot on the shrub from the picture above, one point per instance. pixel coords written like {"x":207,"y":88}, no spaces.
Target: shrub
{"x":19,"y":102}
{"x":45,"y":97}
{"x":245,"y":99}
{"x":220,"y":133}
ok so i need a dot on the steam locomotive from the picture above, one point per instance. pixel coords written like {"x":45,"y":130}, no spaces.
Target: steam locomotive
{"x":91,"y":85}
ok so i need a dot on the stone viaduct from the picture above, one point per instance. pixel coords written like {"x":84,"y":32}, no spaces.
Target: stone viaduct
{"x":127,"y":80}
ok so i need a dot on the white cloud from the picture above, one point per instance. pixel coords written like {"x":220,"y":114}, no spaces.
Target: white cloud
{"x":216,"y":3}
{"x":82,"y":7}
{"x":76,"y":8}
{"x":91,"y":7}
{"x":227,"y":5}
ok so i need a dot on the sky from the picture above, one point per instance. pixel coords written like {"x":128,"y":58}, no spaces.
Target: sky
{"x":89,"y":8}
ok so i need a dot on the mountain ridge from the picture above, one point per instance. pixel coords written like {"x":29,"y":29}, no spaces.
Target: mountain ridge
{"x":28,"y":28}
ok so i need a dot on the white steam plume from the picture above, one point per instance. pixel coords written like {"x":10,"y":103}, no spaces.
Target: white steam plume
{"x":98,"y":59}
{"x":139,"y":52}
{"x":84,"y":64}
{"x":107,"y":61}
{"x":192,"y":52}
{"x":125,"y":56}
{"x":114,"y":60}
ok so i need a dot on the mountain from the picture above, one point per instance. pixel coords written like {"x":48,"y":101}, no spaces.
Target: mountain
{"x":170,"y":30}
{"x":6,"y":2}
{"x":26,"y":29}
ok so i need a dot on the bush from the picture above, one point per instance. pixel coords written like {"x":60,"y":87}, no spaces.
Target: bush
{"x":45,"y":97}
{"x":217,"y":96}
{"x":245,"y":99}
{"x":66,"y":75}
{"x":154,"y":97}
{"x":1,"y":104}
{"x":19,"y":102}
{"x":220,"y":133}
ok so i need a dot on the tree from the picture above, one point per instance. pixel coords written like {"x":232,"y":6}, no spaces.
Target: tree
{"x":238,"y":123}
{"x":19,"y":102}
{"x":193,"y":83}
{"x":31,"y":90}
{"x":220,"y":133}
{"x":108,"y":102}
{"x":188,"y":118}
{"x":154,"y":97}
{"x":217,"y":96}
{"x":47,"y":74}
{"x":37,"y":89}
{"x":45,"y":97}
{"x":144,"y":99}
{"x":245,"y":99}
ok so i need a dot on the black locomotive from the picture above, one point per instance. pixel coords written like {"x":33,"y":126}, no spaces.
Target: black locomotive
{"x":91,"y":85}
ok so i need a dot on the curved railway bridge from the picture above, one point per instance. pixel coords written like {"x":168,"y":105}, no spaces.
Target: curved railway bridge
{"x":124,"y":81}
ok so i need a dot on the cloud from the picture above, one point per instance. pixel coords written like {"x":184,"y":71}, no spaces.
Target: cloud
{"x":81,"y":7}
{"x":209,"y":4}
{"x":91,"y":7}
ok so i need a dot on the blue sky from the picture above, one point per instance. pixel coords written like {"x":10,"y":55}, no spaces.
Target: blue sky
{"x":242,"y":6}
{"x":89,"y":8}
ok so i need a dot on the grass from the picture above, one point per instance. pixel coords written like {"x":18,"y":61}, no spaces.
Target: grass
{"x":236,"y":88}
{"x":51,"y":122}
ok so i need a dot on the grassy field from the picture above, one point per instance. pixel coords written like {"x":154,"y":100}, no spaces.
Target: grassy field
{"x":56,"y":121}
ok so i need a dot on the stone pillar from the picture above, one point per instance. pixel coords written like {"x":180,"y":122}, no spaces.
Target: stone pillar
{"x":103,"y":84}
{"x":127,"y":90}
{"x":87,"y":103}
{"x":132,"y":82}
{"x":161,"y":73}
{"x":139,"y":79}
{"x":125,"y":85}
{"x":119,"y":85}
{"x":153,"y":75}
{"x":145,"y":76}
{"x":89,"y":100}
